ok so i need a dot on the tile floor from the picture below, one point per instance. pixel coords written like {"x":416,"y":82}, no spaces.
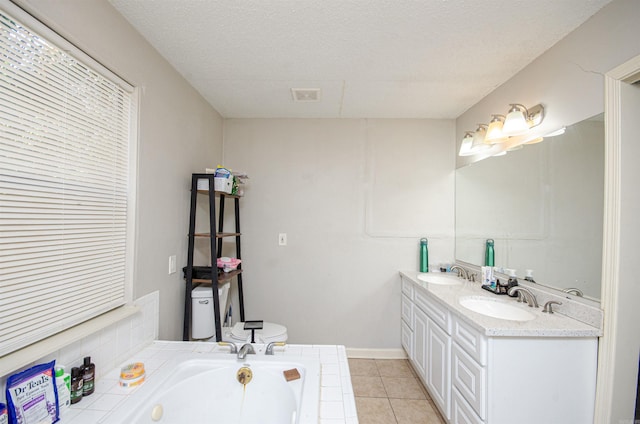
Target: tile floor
{"x":387,"y":391}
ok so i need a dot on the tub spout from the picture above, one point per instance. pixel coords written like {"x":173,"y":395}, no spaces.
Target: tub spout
{"x":246,"y":348}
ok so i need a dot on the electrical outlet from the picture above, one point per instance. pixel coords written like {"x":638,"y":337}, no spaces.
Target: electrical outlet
{"x":172,"y":264}
{"x":282,"y":239}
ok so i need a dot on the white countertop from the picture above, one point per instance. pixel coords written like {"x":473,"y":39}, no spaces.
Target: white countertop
{"x":337,"y":402}
{"x":543,"y":325}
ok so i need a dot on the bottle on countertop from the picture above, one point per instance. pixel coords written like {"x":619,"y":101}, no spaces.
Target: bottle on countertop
{"x":76,"y":385}
{"x":88,"y":377}
{"x":424,"y":255}
{"x":529,"y":275}
{"x":489,"y":254}
{"x":513,"y":281}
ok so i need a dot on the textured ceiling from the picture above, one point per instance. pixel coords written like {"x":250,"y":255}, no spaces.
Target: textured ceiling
{"x":370,"y":58}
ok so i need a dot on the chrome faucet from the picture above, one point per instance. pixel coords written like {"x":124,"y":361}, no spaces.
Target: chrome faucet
{"x":246,"y":348}
{"x":270,"y":346}
{"x":462,"y":273}
{"x":575,"y":291}
{"x":526,"y":295}
{"x":232,"y":346}
{"x":548,"y":306}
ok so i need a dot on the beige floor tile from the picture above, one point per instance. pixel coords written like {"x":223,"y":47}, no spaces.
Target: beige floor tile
{"x":368,"y":386}
{"x":411,"y":411}
{"x":403,"y":388}
{"x":365,"y":367}
{"x":374,"y":411}
{"x":394,"y":368}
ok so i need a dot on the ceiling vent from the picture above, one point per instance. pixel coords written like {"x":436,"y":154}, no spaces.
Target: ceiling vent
{"x":305,"y":94}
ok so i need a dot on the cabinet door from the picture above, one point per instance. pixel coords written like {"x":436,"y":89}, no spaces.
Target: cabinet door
{"x":420,"y":342}
{"x":438,"y":369}
{"x":407,"y":339}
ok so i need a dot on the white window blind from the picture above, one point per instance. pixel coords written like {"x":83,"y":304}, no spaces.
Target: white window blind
{"x":64,"y":181}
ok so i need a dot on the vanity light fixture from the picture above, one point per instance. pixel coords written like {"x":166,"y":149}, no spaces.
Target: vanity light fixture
{"x":494,"y":132}
{"x":478,"y":143}
{"x":465,"y":147}
{"x":520,"y":119}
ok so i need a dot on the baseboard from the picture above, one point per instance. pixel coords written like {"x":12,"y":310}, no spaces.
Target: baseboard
{"x":353,"y":352}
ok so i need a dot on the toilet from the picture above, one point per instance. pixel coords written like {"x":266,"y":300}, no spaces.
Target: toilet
{"x":270,"y":332}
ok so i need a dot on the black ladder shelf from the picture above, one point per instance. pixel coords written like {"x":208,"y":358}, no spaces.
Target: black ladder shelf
{"x":217,"y":276}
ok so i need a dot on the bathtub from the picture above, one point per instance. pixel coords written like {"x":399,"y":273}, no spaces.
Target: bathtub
{"x":203,"y":388}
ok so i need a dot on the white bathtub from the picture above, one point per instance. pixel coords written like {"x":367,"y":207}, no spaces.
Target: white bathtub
{"x":202,"y":388}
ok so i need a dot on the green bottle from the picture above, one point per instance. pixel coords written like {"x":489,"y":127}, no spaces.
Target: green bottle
{"x":424,"y":256}
{"x":489,"y":254}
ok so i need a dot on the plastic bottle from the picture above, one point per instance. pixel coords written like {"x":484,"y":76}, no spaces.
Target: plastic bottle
{"x":63,"y":384}
{"x":88,"y":377}
{"x":529,"y":275}
{"x":76,"y":385}
{"x":424,"y":256}
{"x":489,"y":254}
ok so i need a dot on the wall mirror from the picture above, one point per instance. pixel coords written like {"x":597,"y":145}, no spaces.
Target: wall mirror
{"x":543,"y":205}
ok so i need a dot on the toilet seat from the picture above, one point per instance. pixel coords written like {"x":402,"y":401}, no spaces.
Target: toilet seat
{"x":270,"y":332}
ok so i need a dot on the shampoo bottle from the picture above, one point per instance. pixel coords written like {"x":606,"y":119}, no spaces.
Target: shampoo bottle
{"x":76,"y":385}
{"x":489,"y":254}
{"x":424,"y":256}
{"x":88,"y":376}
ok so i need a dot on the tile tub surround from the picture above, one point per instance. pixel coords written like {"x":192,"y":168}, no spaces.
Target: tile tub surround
{"x":109,"y":346}
{"x":388,"y":391}
{"x":544,"y":325}
{"x":337,"y":403}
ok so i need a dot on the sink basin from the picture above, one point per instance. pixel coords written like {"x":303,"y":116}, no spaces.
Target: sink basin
{"x":440,"y":278}
{"x":496,"y":308}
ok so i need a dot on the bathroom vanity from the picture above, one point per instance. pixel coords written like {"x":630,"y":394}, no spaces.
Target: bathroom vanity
{"x":533,"y":367}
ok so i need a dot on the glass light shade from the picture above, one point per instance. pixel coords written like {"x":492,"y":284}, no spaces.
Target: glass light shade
{"x":478,"y":143}
{"x":516,"y":122}
{"x":465,"y":147}
{"x":494,"y":132}
{"x":556,"y":132}
{"x":534,"y":140}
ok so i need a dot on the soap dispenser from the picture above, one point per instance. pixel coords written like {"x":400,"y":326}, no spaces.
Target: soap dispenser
{"x":489,"y":254}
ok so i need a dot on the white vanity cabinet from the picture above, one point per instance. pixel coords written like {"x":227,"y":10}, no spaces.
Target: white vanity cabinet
{"x":478,"y":379}
{"x":430,"y":351}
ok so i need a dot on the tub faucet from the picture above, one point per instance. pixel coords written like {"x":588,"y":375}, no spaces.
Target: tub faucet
{"x":526,"y":294}
{"x":246,"y":348}
{"x":462,"y":273}
{"x":270,"y":346}
{"x":232,"y":346}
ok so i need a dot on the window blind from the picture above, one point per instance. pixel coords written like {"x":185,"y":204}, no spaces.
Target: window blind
{"x":65,"y":134}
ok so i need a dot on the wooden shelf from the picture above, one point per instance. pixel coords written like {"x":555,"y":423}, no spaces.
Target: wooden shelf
{"x":218,"y":235}
{"x":220,"y":193}
{"x":223,"y":277}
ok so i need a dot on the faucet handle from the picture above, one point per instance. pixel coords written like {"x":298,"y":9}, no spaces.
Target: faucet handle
{"x":270,"y":346}
{"x":547,"y":306}
{"x":232,"y":346}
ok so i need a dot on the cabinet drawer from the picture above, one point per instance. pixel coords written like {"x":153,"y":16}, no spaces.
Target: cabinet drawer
{"x":471,"y":340}
{"x":407,"y":288}
{"x":461,"y":411}
{"x":407,"y":311}
{"x":470,"y":379}
{"x":438,"y":313}
{"x":406,"y":336}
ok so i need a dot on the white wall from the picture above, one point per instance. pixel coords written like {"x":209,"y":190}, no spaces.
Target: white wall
{"x":179,"y":134}
{"x":354,"y":197}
